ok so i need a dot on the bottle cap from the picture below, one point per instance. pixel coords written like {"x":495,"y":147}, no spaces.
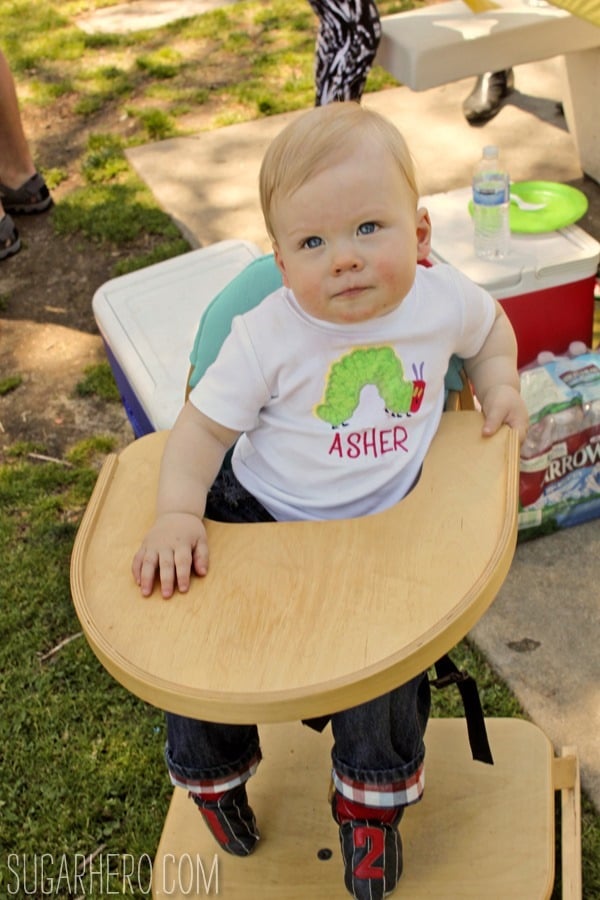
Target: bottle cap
{"x":490,"y":152}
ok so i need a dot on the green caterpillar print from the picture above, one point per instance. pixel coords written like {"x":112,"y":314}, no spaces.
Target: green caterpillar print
{"x":379,"y":366}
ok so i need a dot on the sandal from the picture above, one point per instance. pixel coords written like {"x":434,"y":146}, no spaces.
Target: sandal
{"x":31,"y":197}
{"x":10,"y":242}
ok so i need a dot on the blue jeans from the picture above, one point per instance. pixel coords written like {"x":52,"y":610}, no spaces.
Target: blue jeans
{"x":378,"y":749}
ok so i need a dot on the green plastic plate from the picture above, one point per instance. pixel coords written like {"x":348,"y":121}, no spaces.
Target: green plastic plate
{"x":563,"y":205}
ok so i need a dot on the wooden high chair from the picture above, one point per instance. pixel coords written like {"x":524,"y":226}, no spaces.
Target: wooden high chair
{"x":270,"y":636}
{"x":263,"y":639}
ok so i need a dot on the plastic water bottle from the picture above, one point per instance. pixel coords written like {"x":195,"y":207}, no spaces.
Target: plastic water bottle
{"x":491,"y":194}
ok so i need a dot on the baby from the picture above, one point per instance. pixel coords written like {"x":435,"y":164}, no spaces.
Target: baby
{"x":332,"y":390}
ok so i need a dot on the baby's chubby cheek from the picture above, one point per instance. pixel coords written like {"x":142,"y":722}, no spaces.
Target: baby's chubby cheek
{"x":395,"y":281}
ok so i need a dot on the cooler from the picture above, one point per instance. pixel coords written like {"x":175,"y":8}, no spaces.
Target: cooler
{"x":148,"y":320}
{"x":545,"y":285}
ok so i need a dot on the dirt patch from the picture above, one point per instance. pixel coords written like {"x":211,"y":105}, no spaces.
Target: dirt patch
{"x":45,"y":408}
{"x":48,"y":334}
{"x":48,"y":337}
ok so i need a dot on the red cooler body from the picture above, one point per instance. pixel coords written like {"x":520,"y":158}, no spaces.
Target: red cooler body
{"x":545,"y":284}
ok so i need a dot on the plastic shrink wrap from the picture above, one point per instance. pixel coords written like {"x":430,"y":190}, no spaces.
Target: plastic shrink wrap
{"x":560,"y":457}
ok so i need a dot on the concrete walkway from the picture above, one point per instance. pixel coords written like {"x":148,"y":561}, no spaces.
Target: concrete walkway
{"x":208,"y":182}
{"x":137,"y":15}
{"x":542,"y":633}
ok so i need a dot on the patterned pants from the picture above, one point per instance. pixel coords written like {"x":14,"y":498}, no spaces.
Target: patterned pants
{"x":349,"y":34}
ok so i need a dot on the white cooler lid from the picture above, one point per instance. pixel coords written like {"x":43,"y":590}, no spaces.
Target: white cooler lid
{"x":535,"y":262}
{"x":149,"y":320}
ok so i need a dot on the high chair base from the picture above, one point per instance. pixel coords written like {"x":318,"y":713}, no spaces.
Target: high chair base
{"x":480,"y":832}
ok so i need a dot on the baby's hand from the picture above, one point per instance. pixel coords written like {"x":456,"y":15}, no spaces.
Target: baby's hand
{"x":175,"y":543}
{"x":503,"y":405}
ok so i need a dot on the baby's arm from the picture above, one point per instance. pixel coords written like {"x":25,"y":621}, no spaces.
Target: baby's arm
{"x":495,"y":379}
{"x":177,"y":541}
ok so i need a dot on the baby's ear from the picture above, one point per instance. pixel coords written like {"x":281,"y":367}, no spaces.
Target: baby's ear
{"x":280,"y":264}
{"x":423,"y":233}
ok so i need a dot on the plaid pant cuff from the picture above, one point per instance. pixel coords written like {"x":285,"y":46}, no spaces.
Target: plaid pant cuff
{"x":396,"y":793}
{"x":207,"y":787}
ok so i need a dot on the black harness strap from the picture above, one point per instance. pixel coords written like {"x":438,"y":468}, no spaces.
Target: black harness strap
{"x":447,"y":673}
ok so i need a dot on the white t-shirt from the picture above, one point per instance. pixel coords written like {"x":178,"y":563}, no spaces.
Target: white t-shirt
{"x":336,"y":420}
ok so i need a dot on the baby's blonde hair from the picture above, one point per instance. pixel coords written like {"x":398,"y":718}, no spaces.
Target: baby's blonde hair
{"x":309,"y":143}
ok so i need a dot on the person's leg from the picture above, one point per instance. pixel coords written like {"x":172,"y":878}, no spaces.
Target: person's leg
{"x":485,"y":99}
{"x":214,"y":761}
{"x":208,"y":758}
{"x":9,"y":236}
{"x":347,"y":42}
{"x":22,"y":189}
{"x":378,"y":770}
{"x":16,"y":164}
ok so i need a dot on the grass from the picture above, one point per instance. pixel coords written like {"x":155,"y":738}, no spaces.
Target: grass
{"x":11,"y":383}
{"x":98,"y":381}
{"x":82,"y":766}
{"x":76,"y":780}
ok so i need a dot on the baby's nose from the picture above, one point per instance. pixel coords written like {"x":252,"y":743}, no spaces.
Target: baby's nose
{"x":346,"y":259}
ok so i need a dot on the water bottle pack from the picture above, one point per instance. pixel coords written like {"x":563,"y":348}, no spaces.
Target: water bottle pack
{"x":560,"y":457}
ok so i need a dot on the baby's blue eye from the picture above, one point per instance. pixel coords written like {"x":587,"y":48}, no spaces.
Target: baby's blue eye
{"x":313,"y":241}
{"x":367,"y":228}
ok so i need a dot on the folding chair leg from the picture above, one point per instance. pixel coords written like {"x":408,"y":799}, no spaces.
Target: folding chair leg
{"x":567,"y":781}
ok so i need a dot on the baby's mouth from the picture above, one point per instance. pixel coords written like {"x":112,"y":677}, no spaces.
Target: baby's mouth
{"x":351,"y":290}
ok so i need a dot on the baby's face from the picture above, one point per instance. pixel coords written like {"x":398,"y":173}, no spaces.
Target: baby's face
{"x":348,"y":240}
